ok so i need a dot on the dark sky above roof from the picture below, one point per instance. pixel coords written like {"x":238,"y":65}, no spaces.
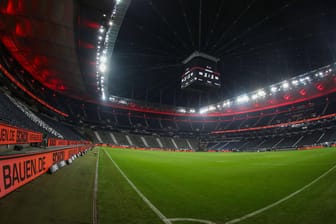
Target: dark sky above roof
{"x":259,"y":42}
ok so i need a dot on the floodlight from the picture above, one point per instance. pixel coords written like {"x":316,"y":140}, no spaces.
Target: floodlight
{"x":295,"y":82}
{"x":103,"y":59}
{"x":102,"y":68}
{"x":254,"y":96}
{"x":243,"y":98}
{"x":261,"y":93}
{"x":274,"y":89}
{"x":285,"y":85}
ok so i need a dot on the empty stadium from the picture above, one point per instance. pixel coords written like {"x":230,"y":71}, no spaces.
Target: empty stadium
{"x":153,"y":111}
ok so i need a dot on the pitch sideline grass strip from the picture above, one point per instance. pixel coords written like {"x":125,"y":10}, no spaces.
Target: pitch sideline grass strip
{"x":143,"y":197}
{"x":95,"y":192}
{"x":281,"y":200}
{"x":63,"y":197}
{"x":117,"y":200}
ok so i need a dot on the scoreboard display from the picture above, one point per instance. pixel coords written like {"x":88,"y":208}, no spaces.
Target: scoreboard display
{"x":200,"y":73}
{"x":200,"y":78}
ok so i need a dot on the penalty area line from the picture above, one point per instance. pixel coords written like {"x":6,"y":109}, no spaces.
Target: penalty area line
{"x":143,"y":197}
{"x":281,"y":200}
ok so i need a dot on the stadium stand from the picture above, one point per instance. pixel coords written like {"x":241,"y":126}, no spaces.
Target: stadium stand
{"x":152,"y":141}
{"x":15,"y":113}
{"x":11,"y":115}
{"x":127,"y":127}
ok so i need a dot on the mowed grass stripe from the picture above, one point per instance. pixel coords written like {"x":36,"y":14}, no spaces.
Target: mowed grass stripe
{"x":117,"y":202}
{"x":282,"y":200}
{"x":143,"y":197}
{"x":64,"y":197}
{"x":314,"y":205}
{"x":196,"y":185}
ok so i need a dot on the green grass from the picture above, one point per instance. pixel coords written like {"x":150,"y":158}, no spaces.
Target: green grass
{"x":117,"y":201}
{"x":211,"y":186}
{"x":217,"y":186}
{"x":64,"y":197}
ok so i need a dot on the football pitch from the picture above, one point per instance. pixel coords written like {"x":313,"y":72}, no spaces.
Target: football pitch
{"x":222,"y":188}
{"x":154,"y":187}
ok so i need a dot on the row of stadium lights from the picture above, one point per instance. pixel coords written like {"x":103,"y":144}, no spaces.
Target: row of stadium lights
{"x":262,"y":93}
{"x":284,"y":86}
{"x":103,"y":52}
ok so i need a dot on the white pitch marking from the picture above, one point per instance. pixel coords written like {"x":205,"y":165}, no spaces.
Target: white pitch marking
{"x":191,"y":220}
{"x":281,"y":200}
{"x":143,"y":197}
{"x":95,"y":190}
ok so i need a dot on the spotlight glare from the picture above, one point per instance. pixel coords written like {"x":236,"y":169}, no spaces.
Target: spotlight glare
{"x":285,"y":85}
{"x":103,"y":59}
{"x":274,"y":89}
{"x":243,"y":99}
{"x":295,"y":82}
{"x":261,"y":93}
{"x":102,"y":68}
{"x":254,"y":96}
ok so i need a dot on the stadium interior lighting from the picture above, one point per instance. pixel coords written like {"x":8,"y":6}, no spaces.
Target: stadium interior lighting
{"x":274,"y":89}
{"x":243,"y":98}
{"x":227,"y":103}
{"x":203,"y":110}
{"x":285,"y":85}
{"x":261,"y":93}
{"x":112,"y":99}
{"x":103,"y":59}
{"x":123,"y":102}
{"x":254,"y":96}
{"x":295,"y":82}
{"x":182,"y":110}
{"x":102,"y":68}
{"x":211,"y":108}
{"x":303,"y":81}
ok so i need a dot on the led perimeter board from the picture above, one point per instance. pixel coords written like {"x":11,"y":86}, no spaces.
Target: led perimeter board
{"x":201,"y":73}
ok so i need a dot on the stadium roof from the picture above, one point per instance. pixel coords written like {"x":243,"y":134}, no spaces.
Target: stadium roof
{"x":258,"y":42}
